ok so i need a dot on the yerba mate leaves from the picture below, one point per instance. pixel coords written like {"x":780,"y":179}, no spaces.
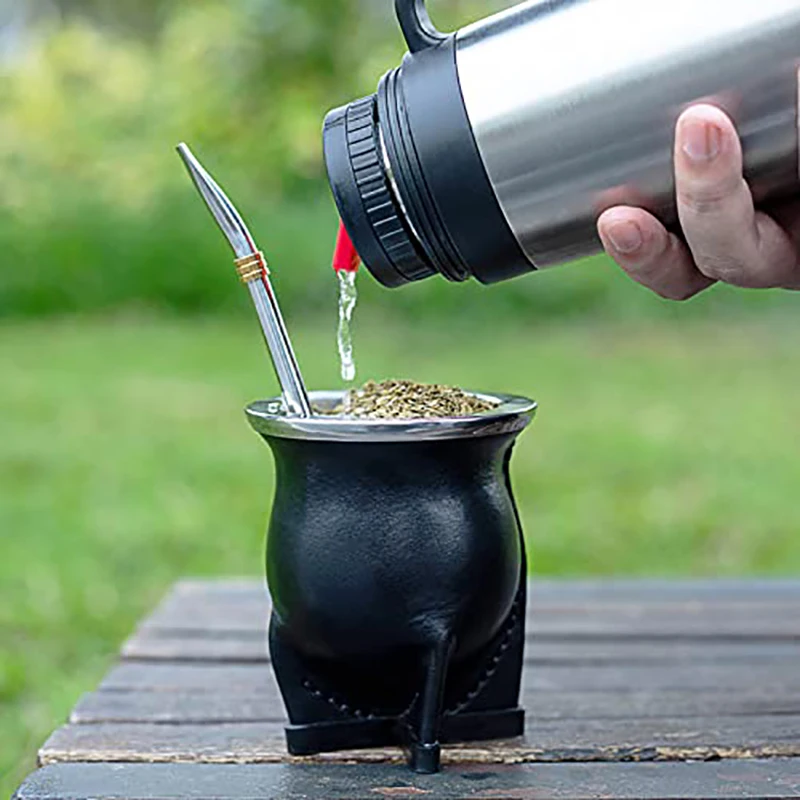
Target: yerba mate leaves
{"x":409,"y":400}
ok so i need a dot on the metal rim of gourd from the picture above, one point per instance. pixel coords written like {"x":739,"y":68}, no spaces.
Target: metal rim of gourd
{"x":510,"y":414}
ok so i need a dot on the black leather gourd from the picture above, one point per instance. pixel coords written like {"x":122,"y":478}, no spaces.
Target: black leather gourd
{"x":396,"y":564}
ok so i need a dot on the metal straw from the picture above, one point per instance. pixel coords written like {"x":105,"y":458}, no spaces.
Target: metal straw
{"x":252,"y":269}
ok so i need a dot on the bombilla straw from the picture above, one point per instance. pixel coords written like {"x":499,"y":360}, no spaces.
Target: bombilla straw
{"x":253,"y":272}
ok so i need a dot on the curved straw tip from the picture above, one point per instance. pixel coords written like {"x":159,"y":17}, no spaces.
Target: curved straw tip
{"x":184,"y":152}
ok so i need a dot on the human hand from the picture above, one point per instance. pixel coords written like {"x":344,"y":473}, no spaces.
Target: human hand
{"x":727,"y":240}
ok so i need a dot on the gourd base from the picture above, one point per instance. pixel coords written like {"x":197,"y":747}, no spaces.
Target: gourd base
{"x":479,"y":703}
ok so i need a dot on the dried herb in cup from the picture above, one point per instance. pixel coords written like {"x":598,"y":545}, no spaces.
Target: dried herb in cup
{"x":410,"y":400}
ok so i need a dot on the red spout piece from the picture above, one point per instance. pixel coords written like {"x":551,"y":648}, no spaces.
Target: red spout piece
{"x":345,"y":257}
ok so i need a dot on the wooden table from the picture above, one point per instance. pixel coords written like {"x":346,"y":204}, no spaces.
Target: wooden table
{"x":633,"y":690}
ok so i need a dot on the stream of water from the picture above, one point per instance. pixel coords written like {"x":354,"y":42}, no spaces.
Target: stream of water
{"x":348,"y":295}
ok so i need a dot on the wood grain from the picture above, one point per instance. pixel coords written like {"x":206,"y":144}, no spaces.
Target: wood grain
{"x":705,"y":617}
{"x":661,"y":739}
{"x":641,"y":590}
{"x":777,"y":780}
{"x":266,"y":706}
{"x":249,"y":678}
{"x":210,"y":646}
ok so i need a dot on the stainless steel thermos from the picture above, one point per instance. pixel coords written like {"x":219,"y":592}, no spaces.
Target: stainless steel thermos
{"x":492,"y":151}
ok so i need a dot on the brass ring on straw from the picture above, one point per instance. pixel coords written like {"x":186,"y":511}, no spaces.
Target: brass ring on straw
{"x":251,"y":268}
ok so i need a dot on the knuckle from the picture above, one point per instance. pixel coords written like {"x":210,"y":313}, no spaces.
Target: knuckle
{"x":724,"y":268}
{"x":708,"y":198}
{"x":705,"y":200}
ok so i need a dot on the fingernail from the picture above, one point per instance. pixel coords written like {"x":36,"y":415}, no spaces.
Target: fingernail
{"x":701,"y":141}
{"x":626,"y":237}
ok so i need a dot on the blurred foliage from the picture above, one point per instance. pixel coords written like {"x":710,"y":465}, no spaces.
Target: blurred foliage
{"x":95,"y":107}
{"x":99,"y":110}
{"x":96,"y":212}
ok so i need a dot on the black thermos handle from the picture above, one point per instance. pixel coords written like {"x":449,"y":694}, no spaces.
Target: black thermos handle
{"x":419,"y":32}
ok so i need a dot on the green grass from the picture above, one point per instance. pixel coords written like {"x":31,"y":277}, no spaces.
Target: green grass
{"x":125,"y":463}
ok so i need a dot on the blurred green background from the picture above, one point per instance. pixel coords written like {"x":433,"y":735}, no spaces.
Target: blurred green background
{"x":667,"y":439}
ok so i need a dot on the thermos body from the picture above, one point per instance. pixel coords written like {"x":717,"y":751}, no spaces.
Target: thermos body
{"x":573,"y":105}
{"x":491,"y":152}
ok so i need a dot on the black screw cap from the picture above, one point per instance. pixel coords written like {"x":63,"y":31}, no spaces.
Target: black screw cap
{"x":364,"y":197}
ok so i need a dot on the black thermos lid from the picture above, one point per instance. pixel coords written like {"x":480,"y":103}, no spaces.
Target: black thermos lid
{"x":407,"y":176}
{"x":361,"y":188}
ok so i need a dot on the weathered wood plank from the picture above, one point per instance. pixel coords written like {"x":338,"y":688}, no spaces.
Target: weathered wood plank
{"x":156,"y":646}
{"x":168,"y":677}
{"x":779,"y":622}
{"x":707,"y":618}
{"x":266,"y":706}
{"x":149,"y":645}
{"x":545,"y":741}
{"x":640,"y":590}
{"x":177,"y":708}
{"x":252,"y":678}
{"x":629,"y":595}
{"x":726,"y":780}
